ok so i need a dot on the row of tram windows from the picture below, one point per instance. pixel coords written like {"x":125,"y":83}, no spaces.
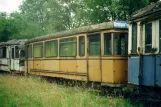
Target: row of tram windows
{"x":114,"y":44}
{"x":14,"y":53}
{"x":148,"y":37}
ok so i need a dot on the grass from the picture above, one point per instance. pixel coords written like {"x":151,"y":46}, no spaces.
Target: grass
{"x":21,"y":91}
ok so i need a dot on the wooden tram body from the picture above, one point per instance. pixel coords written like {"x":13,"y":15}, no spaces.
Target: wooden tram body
{"x":94,"y":53}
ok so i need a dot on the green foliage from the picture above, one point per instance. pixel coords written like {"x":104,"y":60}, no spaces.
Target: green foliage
{"x":41,"y":17}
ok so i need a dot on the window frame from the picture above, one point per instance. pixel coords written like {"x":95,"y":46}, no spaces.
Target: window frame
{"x":80,"y":46}
{"x":16,"y":53}
{"x":146,"y":24}
{"x":132,"y":39}
{"x":89,"y":44}
{"x":112,"y":41}
{"x":13,"y":53}
{"x":60,"y":46}
{"x":28,"y":46}
{"x":1,"y":48}
{"x":42,"y":50}
{"x":45,"y":48}
{"x":126,"y":44}
{"x":111,"y":35}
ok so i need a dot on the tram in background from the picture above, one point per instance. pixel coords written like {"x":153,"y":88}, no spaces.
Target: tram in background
{"x":12,"y":56}
{"x":144,"y":48}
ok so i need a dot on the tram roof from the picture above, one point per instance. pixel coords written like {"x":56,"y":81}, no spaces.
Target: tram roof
{"x":148,"y":13}
{"x":84,"y":29}
{"x":13,"y":42}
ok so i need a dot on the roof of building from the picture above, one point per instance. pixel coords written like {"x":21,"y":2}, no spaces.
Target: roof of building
{"x":150,"y":12}
{"x":13,"y":42}
{"x":84,"y":29}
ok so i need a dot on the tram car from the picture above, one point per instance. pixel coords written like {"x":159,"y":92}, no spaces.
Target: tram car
{"x":144,"y":61}
{"x":96,"y":53}
{"x":12,"y":56}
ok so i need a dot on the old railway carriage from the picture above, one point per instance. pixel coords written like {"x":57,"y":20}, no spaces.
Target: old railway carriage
{"x":12,"y":55}
{"x":91,"y":53}
{"x":144,"y":64}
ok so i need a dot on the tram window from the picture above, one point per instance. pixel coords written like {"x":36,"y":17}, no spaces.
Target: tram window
{"x":148,"y":37}
{"x":94,"y":45}
{"x":29,"y":51}
{"x":1,"y":52}
{"x":107,"y":44}
{"x":4,"y":52}
{"x":13,"y":53}
{"x":120,"y":44}
{"x":16,"y":52}
{"x":134,"y":38}
{"x":81,"y":46}
{"x":51,"y":48}
{"x":160,"y":36}
{"x":68,"y":47}
{"x":38,"y":50}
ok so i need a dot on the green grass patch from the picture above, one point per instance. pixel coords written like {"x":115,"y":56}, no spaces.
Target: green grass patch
{"x":21,"y":91}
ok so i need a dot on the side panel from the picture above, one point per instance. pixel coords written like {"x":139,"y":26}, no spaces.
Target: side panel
{"x":120,"y":71}
{"x":16,"y":64}
{"x":147,"y":76}
{"x":52,"y":65}
{"x":107,"y":71}
{"x":4,"y":64}
{"x":158,"y":70}
{"x":68,"y":65}
{"x":94,"y":70}
{"x":133,"y":70}
{"x":82,"y":66}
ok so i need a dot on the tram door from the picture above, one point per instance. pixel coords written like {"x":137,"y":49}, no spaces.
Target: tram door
{"x":12,"y":58}
{"x":15,"y":58}
{"x":94,"y":57}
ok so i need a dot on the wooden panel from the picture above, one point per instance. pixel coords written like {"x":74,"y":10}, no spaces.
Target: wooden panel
{"x":68,"y":65}
{"x":82,"y":66}
{"x":74,"y":77}
{"x":52,"y":65}
{"x":107,"y":71}
{"x":94,"y":70}
{"x":30,"y":66}
{"x":120,"y":68}
{"x":38,"y":64}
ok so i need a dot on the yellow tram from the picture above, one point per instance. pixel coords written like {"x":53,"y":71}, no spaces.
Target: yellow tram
{"x":96,"y":53}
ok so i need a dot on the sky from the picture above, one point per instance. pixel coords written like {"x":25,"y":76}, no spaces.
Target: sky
{"x":9,"y":5}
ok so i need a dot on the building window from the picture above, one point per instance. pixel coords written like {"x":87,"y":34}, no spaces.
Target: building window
{"x":134,"y":38}
{"x":148,"y":37}
{"x":160,"y":36}
{"x":68,"y":47}
{"x":107,"y":44}
{"x":120,"y":44}
{"x":29,"y":51}
{"x":94,"y":45}
{"x":51,"y":48}
{"x":38,"y":50}
{"x":16,"y":52}
{"x":81,"y":46}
